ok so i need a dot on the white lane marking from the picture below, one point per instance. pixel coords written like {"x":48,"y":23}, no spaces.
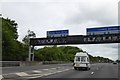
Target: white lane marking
{"x":1,"y":77}
{"x":92,"y":73}
{"x":58,"y":67}
{"x":34,"y":77}
{"x":36,"y":71}
{"x":67,"y":69}
{"x":46,"y":74}
{"x":59,"y":71}
{"x":53,"y":68}
{"x":49,"y":73}
{"x":22,"y":74}
{"x":45,"y":69}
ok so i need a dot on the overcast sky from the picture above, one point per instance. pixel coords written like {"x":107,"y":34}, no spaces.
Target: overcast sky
{"x":75,"y":15}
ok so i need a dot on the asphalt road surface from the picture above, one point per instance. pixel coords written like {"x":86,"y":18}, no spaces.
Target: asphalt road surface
{"x":104,"y":70}
{"x":39,"y":72}
{"x":15,"y":69}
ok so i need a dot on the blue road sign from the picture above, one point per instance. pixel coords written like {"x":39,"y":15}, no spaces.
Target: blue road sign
{"x":103,"y":30}
{"x":57,"y":33}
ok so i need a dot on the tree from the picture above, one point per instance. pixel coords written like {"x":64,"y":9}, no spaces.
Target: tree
{"x":63,"y":53}
{"x":30,"y":34}
{"x":12,"y":49}
{"x":9,"y":40}
{"x":26,"y":41}
{"x":118,"y":61}
{"x":9,"y":36}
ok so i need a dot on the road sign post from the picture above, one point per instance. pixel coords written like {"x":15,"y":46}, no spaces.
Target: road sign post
{"x":31,"y":53}
{"x":29,"y":57}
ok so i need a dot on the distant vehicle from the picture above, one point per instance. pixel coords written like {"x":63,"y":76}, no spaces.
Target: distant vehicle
{"x":81,"y":61}
{"x":114,"y":62}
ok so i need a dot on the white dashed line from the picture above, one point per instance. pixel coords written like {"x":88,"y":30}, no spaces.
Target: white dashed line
{"x":59,"y":71}
{"x":22,"y":74}
{"x":67,"y":69}
{"x":1,"y":77}
{"x":53,"y":68}
{"x":45,"y":69}
{"x":41,"y":72}
{"x":92,"y":73}
{"x":36,"y":71}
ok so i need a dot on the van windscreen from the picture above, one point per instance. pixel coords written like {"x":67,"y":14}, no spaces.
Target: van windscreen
{"x":77,"y":58}
{"x":83,"y":58}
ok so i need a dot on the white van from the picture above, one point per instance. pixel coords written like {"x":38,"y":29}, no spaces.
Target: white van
{"x":81,"y":61}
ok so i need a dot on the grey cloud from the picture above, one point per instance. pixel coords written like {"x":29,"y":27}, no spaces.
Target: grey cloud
{"x":104,"y":15}
{"x":104,"y":50}
{"x":113,"y":45}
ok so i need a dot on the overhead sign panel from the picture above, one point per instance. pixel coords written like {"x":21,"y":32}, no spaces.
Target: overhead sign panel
{"x":76,"y":39}
{"x":103,"y":30}
{"x":57,"y":33}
